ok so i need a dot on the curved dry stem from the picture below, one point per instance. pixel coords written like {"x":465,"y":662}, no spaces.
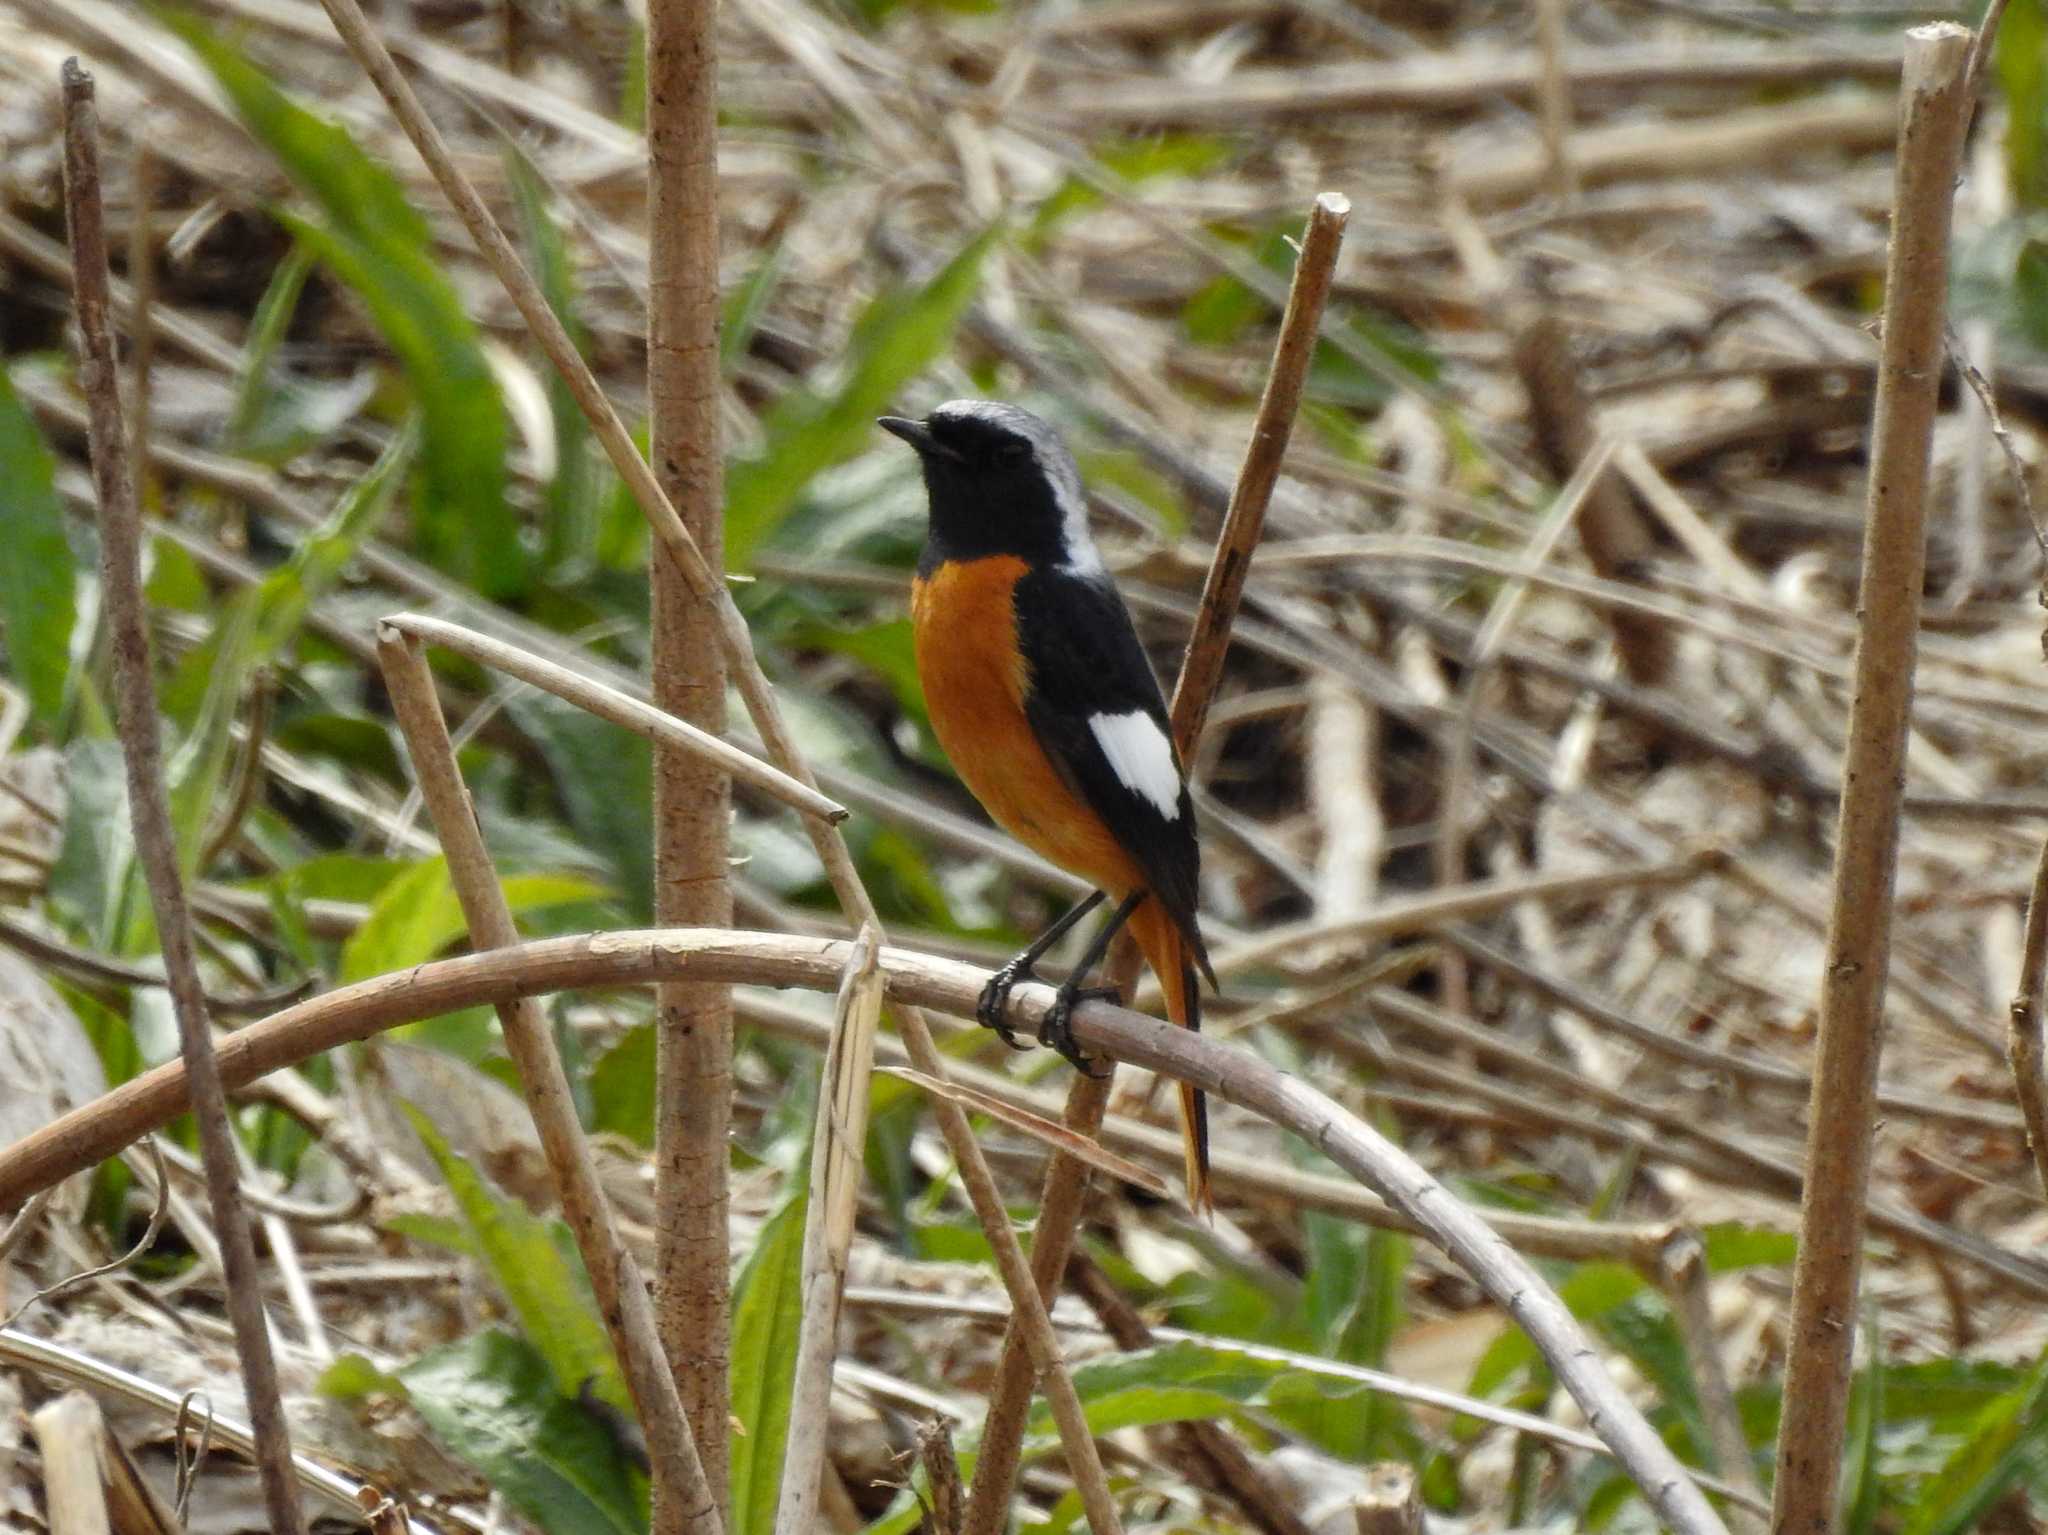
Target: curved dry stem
{"x":87,"y":1135}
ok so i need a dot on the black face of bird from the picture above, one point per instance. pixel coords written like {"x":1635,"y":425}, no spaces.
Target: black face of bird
{"x":1001,"y":482}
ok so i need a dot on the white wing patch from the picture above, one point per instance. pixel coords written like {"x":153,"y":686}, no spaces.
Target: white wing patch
{"x":1141,"y":757}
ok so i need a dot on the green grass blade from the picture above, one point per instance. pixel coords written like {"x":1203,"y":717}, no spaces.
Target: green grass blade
{"x":765,"y":1313}
{"x":371,"y":238}
{"x":38,"y":578}
{"x":900,"y":335}
{"x":535,"y":1266}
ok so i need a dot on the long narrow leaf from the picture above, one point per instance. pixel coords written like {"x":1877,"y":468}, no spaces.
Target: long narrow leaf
{"x":899,"y":336}
{"x":765,"y":1307}
{"x":378,"y":244}
{"x":38,"y":585}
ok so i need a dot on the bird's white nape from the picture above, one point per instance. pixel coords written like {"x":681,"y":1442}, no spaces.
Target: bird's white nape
{"x":1141,"y":757}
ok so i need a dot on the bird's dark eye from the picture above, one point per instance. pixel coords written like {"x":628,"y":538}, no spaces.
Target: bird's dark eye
{"x":1013,"y":452}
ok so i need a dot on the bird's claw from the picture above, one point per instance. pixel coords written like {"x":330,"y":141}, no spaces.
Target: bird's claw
{"x":1057,"y":1031}
{"x":995,"y":1001}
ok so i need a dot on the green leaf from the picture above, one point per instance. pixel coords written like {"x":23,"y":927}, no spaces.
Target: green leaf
{"x":417,"y":915}
{"x":570,"y":502}
{"x":900,"y":335}
{"x":38,"y":595}
{"x":605,"y":777}
{"x":491,"y":1401}
{"x":1985,"y":1464}
{"x":259,"y":624}
{"x":2030,"y":291}
{"x":766,"y":1311}
{"x":376,"y":242}
{"x":91,"y":879}
{"x":1866,"y":1413}
{"x":352,"y":1376}
{"x":532,"y":1261}
{"x":2021,"y":58}
{"x":1731,"y":1245}
{"x":622,"y":1088}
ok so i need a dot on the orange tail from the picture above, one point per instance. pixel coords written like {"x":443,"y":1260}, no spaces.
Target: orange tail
{"x":1173,"y":960}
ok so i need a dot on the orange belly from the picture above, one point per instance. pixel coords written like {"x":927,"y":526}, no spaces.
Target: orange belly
{"x":964,"y":629}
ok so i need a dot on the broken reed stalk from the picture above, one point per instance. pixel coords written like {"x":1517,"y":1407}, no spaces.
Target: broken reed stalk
{"x":913,"y":982}
{"x":622,"y":1297}
{"x":156,"y":843}
{"x":838,"y":1136}
{"x":2027,"y":1034}
{"x":1066,"y":1178}
{"x":1933,"y":114}
{"x":733,"y":638}
{"x":692,"y":798}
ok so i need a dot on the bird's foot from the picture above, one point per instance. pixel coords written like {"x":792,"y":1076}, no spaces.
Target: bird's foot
{"x":1057,"y":1031}
{"x":995,"y":1001}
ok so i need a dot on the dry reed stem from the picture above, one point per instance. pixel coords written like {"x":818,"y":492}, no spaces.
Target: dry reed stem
{"x":69,"y":1433}
{"x":619,"y":709}
{"x":1554,"y":99}
{"x":1933,"y":114}
{"x":1066,"y":1178}
{"x":1435,"y":82}
{"x":58,"y":1362}
{"x":692,"y":798}
{"x":1682,"y":1274}
{"x":2026,"y":1047}
{"x":915,"y":981}
{"x":674,"y":1456}
{"x":156,"y":844}
{"x":676,"y":541}
{"x":837,"y":1137}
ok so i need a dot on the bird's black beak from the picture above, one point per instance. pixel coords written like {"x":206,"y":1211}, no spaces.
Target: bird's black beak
{"x":916,"y":433}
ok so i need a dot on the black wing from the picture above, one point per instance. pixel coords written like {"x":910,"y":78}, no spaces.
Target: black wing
{"x":1086,"y":663}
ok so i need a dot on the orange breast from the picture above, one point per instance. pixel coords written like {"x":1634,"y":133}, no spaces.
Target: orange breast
{"x":963,"y":622}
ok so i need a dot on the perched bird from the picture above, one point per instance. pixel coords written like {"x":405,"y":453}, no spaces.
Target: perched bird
{"x":1042,"y":697}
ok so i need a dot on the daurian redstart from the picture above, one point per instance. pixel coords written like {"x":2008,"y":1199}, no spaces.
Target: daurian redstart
{"x":1042,"y":697}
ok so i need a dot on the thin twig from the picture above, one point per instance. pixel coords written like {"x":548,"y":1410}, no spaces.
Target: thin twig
{"x":1933,"y":114}
{"x":621,"y":1294}
{"x":26,"y":940}
{"x":628,"y":713}
{"x":136,"y":1249}
{"x":156,"y":845}
{"x":1682,"y":1273}
{"x":2026,"y":1046}
{"x":1066,"y":1178}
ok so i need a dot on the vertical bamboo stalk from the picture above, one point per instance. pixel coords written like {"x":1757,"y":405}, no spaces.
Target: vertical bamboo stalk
{"x":1934,"y":111}
{"x":692,"y":800}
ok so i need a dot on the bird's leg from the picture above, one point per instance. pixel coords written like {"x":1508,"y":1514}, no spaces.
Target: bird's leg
{"x":1057,"y":1032}
{"x":995,"y":996}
